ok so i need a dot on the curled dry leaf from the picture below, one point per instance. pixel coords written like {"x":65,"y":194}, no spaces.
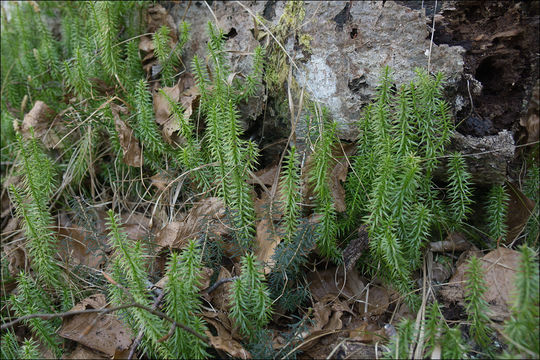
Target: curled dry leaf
{"x":40,"y":119}
{"x":499,"y":267}
{"x":224,"y":340}
{"x":161,"y":105}
{"x":107,"y":335}
{"x":206,"y":215}
{"x":520,"y":208}
{"x":266,"y":242}
{"x":327,"y":315}
{"x":264,"y":207}
{"x":16,"y":259}
{"x":378,"y":300}
{"x":6,"y":204}
{"x":128,"y":142}
{"x":14,"y":254}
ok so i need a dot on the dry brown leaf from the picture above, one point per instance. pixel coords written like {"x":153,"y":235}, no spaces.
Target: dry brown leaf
{"x":146,"y":44}
{"x":455,"y":241}
{"x":224,"y":340}
{"x":327,"y":315}
{"x":156,"y":17}
{"x":161,"y":181}
{"x":520,"y":208}
{"x":205,"y":215}
{"x":137,"y":226}
{"x":6,"y":204}
{"x":128,"y":142}
{"x":220,"y":297}
{"x":40,"y":119}
{"x":266,"y":242}
{"x":184,"y":92}
{"x":122,"y":354}
{"x":367,"y":332}
{"x":79,"y":246}
{"x":378,"y":299}
{"x":453,"y":291}
{"x":330,"y":281}
{"x":161,"y":104}
{"x":107,"y":335}
{"x":190,"y":97}
{"x":499,"y":267}
{"x":266,"y":175}
{"x":82,"y":352}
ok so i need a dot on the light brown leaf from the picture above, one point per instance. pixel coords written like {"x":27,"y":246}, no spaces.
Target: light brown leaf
{"x":499,"y":267}
{"x":16,"y":260}
{"x":40,"y":119}
{"x":206,"y":215}
{"x":184,"y":92}
{"x":161,"y":181}
{"x":146,"y":44}
{"x":128,"y":142}
{"x":224,"y":340}
{"x":266,"y":242}
{"x":107,"y":335}
{"x":206,"y":274}
{"x":327,"y":315}
{"x":161,"y":104}
{"x":378,"y":299}
{"x":266,"y":175}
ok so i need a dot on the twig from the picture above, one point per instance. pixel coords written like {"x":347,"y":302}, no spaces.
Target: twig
{"x":218,"y":283}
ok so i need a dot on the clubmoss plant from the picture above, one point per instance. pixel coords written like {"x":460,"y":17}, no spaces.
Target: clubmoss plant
{"x":249,"y":298}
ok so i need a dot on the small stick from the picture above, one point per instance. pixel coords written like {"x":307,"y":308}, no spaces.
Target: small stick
{"x":218,"y":283}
